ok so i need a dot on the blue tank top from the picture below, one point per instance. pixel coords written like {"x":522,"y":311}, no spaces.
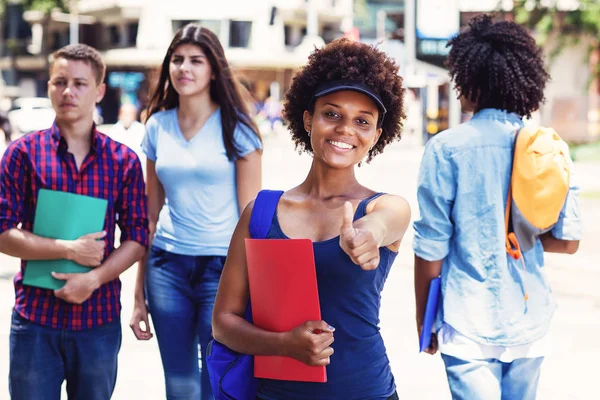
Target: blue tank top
{"x":350,"y":299}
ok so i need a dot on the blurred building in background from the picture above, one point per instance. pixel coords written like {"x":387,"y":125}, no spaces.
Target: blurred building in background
{"x":267,"y":40}
{"x":416,"y":33}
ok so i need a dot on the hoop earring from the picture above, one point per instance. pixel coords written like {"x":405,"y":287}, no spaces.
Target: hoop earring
{"x":308,"y":132}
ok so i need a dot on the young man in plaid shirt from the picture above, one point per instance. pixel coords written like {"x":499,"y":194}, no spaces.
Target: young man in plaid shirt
{"x":73,"y":333}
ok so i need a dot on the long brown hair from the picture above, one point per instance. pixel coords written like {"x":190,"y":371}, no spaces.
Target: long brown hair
{"x":224,"y":89}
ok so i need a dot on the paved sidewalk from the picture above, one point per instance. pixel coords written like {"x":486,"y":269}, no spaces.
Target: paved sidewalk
{"x":569,"y":373}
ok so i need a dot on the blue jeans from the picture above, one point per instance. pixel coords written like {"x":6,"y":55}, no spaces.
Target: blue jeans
{"x":181,"y":293}
{"x":491,"y":379}
{"x":41,"y":358}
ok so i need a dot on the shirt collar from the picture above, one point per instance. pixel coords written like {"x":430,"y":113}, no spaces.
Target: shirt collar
{"x":493,"y":113}
{"x":61,"y":143}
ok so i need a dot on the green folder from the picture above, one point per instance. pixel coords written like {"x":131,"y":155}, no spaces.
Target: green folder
{"x":67,"y":216}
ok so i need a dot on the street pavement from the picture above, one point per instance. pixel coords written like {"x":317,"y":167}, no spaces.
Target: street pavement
{"x":569,"y":372}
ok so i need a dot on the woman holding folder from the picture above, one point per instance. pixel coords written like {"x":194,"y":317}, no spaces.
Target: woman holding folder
{"x":345,"y":106}
{"x":203,"y":167}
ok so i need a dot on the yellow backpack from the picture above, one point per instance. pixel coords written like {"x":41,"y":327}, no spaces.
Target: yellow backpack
{"x":538,"y":188}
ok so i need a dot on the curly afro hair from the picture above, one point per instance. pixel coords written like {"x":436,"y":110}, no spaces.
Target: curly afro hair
{"x":498,"y":65}
{"x":345,"y":59}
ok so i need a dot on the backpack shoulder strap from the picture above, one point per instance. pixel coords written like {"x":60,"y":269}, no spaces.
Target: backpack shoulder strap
{"x":263,"y":211}
{"x":512,"y":245}
{"x":513,"y":248}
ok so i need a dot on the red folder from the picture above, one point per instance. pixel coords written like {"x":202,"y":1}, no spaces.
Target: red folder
{"x":284,"y":295}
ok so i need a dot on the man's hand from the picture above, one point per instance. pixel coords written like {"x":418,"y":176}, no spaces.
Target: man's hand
{"x":359,"y":244}
{"x":88,"y":250}
{"x":78,"y":287}
{"x":433,"y":346}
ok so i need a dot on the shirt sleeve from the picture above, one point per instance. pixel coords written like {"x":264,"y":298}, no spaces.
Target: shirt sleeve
{"x":246,"y":140}
{"x":13,"y":173}
{"x":132,"y":204}
{"x":150,"y":139}
{"x":569,"y":225}
{"x":435,"y":194}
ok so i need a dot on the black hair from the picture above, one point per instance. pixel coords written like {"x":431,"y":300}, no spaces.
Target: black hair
{"x":498,"y":65}
{"x":346,"y":59}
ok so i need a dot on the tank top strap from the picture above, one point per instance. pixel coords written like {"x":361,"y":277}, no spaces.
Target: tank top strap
{"x":361,"y":210}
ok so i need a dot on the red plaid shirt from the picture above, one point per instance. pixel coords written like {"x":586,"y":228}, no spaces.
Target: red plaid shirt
{"x":110,"y":171}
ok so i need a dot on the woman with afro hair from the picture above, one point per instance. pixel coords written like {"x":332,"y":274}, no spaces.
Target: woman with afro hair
{"x":492,"y":337}
{"x":343,"y":107}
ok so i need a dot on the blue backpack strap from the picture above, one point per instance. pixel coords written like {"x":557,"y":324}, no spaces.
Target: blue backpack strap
{"x":261,"y":219}
{"x":263,"y":211}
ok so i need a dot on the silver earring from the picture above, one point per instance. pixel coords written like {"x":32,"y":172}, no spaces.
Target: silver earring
{"x":308,"y":132}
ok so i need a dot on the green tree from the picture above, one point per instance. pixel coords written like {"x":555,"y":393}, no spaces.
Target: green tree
{"x":42,"y":5}
{"x":46,"y":6}
{"x":567,"y":27}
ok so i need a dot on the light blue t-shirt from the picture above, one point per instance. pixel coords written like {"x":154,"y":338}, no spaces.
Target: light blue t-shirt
{"x":462,"y":192}
{"x":201,"y":206}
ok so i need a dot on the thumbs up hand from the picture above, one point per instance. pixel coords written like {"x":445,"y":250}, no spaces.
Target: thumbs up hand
{"x":359,"y":244}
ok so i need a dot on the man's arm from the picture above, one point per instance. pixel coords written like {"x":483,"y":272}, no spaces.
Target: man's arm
{"x":16,"y":242}
{"x":133,"y":221}
{"x":88,"y":250}
{"x":118,"y":262}
{"x":425,"y":271}
{"x":565,"y":235}
{"x":27,"y":246}
{"x":132,"y":206}
{"x":133,"y":211}
{"x":554,"y":245}
{"x":434,"y":229}
{"x":80,"y":286}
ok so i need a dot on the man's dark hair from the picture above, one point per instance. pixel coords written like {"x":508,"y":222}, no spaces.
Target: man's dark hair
{"x":85,"y":53}
{"x":498,"y":65}
{"x":345,"y":59}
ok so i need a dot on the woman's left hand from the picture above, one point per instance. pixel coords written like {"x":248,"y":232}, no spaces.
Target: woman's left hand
{"x":359,"y":244}
{"x":139,"y":323}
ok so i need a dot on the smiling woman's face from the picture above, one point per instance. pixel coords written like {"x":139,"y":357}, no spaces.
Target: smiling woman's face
{"x":343,"y":128}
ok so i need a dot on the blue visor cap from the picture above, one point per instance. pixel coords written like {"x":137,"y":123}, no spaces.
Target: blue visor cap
{"x":329,"y":87}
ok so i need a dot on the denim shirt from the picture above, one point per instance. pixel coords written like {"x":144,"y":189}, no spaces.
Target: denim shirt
{"x":462,"y":192}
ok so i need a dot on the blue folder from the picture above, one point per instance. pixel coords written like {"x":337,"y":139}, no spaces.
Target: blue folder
{"x":430,"y":313}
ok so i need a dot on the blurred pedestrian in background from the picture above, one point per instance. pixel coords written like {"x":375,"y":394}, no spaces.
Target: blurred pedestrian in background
{"x":5,"y":128}
{"x":129,"y":131}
